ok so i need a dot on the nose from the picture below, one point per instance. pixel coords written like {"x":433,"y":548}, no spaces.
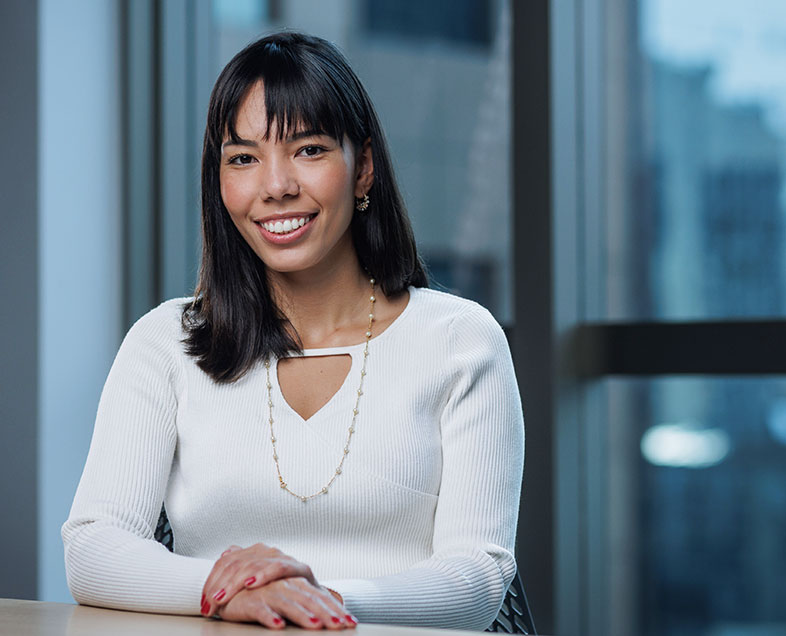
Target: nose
{"x":279,"y":180}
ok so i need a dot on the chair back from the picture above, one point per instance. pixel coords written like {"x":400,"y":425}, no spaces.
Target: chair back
{"x":163,"y":533}
{"x":514,"y":616}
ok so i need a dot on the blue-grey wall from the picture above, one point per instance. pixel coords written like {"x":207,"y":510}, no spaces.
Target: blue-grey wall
{"x":19,"y":293}
{"x":79,"y":243}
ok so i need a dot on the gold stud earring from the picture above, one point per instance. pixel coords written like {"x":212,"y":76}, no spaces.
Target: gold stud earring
{"x":361,"y":205}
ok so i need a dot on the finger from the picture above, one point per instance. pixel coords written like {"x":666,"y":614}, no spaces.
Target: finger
{"x":289,"y":607}
{"x":334,"y":601}
{"x":338,"y":605}
{"x":230,"y":549}
{"x":277,"y":569}
{"x":329,"y":599}
{"x":319,"y":602}
{"x":261,"y":613}
{"x":214,"y":589}
{"x":254,"y":575}
{"x":253,"y":567}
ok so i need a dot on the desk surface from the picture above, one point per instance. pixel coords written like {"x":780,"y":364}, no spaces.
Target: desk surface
{"x":34,"y":618}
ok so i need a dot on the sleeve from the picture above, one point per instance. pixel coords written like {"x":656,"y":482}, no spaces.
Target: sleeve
{"x":111,"y":557}
{"x":463,"y":584}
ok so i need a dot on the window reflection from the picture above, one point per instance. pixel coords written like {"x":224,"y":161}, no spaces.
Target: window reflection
{"x":695,"y":228}
{"x":707,"y":510}
{"x":705,"y":148}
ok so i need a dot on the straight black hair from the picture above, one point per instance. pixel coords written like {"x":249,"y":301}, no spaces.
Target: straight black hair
{"x":234,"y":322}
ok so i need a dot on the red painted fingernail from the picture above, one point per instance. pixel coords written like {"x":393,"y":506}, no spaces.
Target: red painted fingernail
{"x":277,"y":621}
{"x":220,"y":594}
{"x":313,"y":619}
{"x":335,"y":619}
{"x":351,"y":619}
{"x":250,"y":581}
{"x":205,"y":608}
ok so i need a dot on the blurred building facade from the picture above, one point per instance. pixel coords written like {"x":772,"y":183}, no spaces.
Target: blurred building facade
{"x":709,"y":196}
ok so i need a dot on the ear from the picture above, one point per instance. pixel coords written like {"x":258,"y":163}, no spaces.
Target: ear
{"x":364,"y":170}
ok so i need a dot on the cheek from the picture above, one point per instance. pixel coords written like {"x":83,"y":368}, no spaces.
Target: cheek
{"x":336,"y":187}
{"x":237,"y":195}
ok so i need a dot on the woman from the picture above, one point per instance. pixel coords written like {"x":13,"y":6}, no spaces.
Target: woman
{"x":313,"y":396}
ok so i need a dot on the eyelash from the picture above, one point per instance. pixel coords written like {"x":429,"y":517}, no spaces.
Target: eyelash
{"x":312,"y":146}
{"x":236,"y":159}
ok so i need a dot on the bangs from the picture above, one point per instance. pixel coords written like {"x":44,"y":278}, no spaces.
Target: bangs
{"x":300,"y":94}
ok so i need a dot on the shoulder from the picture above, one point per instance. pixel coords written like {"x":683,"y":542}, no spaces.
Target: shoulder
{"x":453,"y":313}
{"x":152,"y":352}
{"x":162,"y":326}
{"x":469,"y":333}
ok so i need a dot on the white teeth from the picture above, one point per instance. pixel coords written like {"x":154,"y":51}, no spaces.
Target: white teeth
{"x":288,"y":225}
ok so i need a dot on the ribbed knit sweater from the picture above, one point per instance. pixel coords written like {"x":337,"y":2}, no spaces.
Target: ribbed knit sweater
{"x":418,"y":529}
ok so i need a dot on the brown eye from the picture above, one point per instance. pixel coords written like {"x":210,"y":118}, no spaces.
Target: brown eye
{"x":241,"y":160}
{"x":312,"y":151}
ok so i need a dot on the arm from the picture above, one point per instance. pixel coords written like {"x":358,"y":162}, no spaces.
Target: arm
{"x":111,"y":557}
{"x":463,"y":584}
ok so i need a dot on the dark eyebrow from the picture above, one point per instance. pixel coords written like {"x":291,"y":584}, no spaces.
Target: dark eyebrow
{"x":237,"y":141}
{"x":250,"y":143}
{"x":313,"y":132}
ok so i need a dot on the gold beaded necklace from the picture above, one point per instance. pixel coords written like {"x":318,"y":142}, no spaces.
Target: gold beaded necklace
{"x":350,"y":432}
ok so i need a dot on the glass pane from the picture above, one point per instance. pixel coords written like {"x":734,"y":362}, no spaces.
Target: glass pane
{"x":696,"y":122}
{"x":438,"y":76}
{"x":698,"y":506}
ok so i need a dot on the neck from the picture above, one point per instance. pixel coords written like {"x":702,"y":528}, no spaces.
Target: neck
{"x":324,"y":307}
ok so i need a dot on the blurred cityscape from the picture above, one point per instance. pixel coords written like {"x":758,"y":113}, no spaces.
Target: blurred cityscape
{"x":706,"y":226}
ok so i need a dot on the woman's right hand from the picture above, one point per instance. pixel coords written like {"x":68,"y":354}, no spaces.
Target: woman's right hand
{"x":246,"y":569}
{"x":295,"y":599}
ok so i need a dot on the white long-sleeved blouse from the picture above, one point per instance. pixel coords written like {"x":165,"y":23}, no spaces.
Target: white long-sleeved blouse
{"x":418,"y":529}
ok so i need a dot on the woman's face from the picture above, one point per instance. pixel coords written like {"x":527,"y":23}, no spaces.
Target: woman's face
{"x":292,"y":200}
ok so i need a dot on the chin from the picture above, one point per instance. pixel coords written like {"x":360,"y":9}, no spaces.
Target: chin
{"x":288,"y":267}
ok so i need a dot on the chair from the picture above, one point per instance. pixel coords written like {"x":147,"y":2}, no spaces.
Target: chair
{"x":514,"y":616}
{"x":163,"y":533}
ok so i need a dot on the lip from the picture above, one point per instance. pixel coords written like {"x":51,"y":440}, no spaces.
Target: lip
{"x":284,"y":239}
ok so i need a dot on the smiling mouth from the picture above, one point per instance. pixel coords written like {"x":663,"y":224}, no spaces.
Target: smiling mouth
{"x":286,"y":226}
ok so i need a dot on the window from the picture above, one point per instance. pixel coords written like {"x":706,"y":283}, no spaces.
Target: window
{"x":457,"y":21}
{"x":696,"y":232}
{"x":649,"y":309}
{"x":697,"y":506}
{"x":699,"y":228}
{"x":668,"y":224}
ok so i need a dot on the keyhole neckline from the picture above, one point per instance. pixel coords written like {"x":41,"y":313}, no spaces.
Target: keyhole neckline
{"x":355,"y":348}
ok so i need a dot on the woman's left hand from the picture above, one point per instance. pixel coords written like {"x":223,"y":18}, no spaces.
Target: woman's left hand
{"x":248,"y":568}
{"x":293,"y":600}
